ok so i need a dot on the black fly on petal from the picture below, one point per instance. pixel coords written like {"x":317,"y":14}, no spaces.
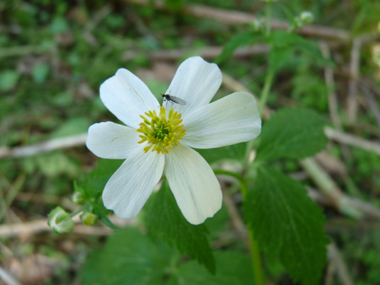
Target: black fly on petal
{"x":173,"y":99}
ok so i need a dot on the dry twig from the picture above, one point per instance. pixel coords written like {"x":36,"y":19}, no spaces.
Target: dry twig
{"x":39,"y":226}
{"x":340,"y":266}
{"x":7,"y":278}
{"x":330,"y":82}
{"x":236,"y":220}
{"x":372,"y":103}
{"x":352,"y":103}
{"x":350,"y":206}
{"x":77,"y":140}
{"x":207,"y":52}
{"x":352,"y":140}
{"x":236,"y":18}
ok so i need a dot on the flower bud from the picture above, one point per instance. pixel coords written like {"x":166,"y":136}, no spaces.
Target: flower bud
{"x":77,"y":198}
{"x":88,"y":218}
{"x":306,"y":17}
{"x":256,"y":25}
{"x":60,"y":221}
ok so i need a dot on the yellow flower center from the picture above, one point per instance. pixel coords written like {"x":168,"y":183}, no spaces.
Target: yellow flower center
{"x":160,"y":132}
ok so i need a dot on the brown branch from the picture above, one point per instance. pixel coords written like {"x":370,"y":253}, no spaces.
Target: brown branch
{"x":340,"y":265}
{"x":371,"y":103}
{"x":330,"y":83}
{"x":207,"y":52}
{"x":352,"y":102}
{"x":7,"y":278}
{"x":236,"y":18}
{"x":77,"y":140}
{"x":39,"y":226}
{"x":236,"y":220}
{"x":350,"y":206}
{"x":352,"y":140}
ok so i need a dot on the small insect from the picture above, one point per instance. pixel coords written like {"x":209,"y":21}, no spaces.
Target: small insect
{"x":173,"y":99}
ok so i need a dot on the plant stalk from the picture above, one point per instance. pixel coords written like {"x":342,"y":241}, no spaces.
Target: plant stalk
{"x":255,"y":250}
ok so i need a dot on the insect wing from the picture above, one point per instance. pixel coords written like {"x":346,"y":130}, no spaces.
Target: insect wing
{"x":177,"y":100}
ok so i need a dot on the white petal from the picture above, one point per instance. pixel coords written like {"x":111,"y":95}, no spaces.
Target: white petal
{"x":110,"y":140}
{"x":131,"y":185}
{"x":230,"y":120}
{"x":193,"y":183}
{"x":196,"y":81}
{"x":127,"y":97}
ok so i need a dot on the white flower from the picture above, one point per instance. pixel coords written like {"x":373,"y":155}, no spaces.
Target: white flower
{"x":158,"y":139}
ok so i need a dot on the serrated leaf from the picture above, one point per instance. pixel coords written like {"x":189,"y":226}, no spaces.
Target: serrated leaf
{"x":287,"y":224}
{"x":236,"y":151}
{"x":291,"y":133}
{"x":164,"y":220}
{"x":128,"y":257}
{"x":233,"y":268}
{"x":242,"y":39}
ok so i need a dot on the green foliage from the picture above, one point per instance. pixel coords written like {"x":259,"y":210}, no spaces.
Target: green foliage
{"x":164,"y":220}
{"x":128,"y":258}
{"x":175,"y":5}
{"x":92,"y":187}
{"x":283,"y":45}
{"x":233,"y":268}
{"x":235,"y":152}
{"x":242,"y":39}
{"x":8,"y":79}
{"x":291,"y":133}
{"x":51,"y":164}
{"x":287,"y":224}
{"x":40,"y":71}
{"x":71,"y":127}
{"x":310,"y":90}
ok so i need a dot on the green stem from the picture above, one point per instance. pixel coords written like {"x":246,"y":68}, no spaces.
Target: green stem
{"x":255,"y":251}
{"x":265,"y":93}
{"x":256,"y":259}
{"x":81,"y":209}
{"x":229,"y":173}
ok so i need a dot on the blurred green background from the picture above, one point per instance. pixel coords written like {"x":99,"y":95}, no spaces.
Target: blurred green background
{"x":55,"y":54}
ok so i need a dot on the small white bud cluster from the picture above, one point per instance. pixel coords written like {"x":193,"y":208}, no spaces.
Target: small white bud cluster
{"x":257,"y":25}
{"x":305,"y":17}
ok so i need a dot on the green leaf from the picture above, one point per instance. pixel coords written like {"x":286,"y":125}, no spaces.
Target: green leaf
{"x":92,"y":187}
{"x":128,"y":258}
{"x":291,"y":133}
{"x":283,"y":44}
{"x":287,"y":224}
{"x":233,"y":268}
{"x":40,"y":72}
{"x":102,"y":212}
{"x":8,"y":79}
{"x":236,"y":152}
{"x":175,"y":5}
{"x":71,"y":127}
{"x":164,"y":220}
{"x":278,"y":57}
{"x":242,"y":39}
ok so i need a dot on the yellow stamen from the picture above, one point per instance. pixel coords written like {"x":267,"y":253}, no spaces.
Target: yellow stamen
{"x":160,"y":132}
